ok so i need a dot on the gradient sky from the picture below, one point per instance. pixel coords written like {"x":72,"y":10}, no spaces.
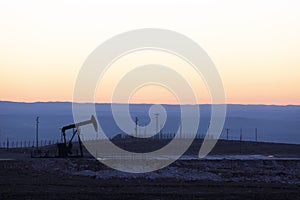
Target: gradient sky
{"x":254,"y":44}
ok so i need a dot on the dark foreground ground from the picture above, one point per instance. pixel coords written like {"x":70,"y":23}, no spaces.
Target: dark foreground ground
{"x":86,"y":178}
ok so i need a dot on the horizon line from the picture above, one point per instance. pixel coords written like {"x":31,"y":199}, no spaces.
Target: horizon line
{"x":246,"y":104}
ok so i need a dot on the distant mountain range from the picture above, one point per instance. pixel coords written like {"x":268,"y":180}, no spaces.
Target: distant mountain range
{"x":274,"y":123}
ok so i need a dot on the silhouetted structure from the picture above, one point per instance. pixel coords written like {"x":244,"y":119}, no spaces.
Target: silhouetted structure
{"x":65,"y":148}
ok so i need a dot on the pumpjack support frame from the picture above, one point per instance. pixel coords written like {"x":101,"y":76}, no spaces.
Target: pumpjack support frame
{"x":65,"y":148}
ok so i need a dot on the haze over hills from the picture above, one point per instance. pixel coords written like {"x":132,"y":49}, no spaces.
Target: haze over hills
{"x":274,"y":123}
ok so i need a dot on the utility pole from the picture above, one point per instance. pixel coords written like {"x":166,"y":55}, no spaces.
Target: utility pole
{"x":145,"y":131}
{"x":161,"y":132}
{"x":256,"y":134}
{"x":208,"y":132}
{"x":156,"y":117}
{"x":136,"y":126}
{"x":227,"y":131}
{"x":37,"y":132}
{"x":241,"y":134}
{"x":241,"y":138}
{"x":180,"y":128}
{"x":61,"y":135}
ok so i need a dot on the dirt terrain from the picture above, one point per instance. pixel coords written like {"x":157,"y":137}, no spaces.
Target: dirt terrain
{"x":220,"y":176}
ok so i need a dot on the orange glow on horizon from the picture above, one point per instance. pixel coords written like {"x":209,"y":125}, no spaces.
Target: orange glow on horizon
{"x":254,"y":45}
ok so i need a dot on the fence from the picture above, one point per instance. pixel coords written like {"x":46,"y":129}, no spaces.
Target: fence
{"x":9,"y":144}
{"x":227,"y":134}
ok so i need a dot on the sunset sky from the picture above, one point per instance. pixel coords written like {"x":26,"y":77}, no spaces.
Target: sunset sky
{"x":254,"y":44}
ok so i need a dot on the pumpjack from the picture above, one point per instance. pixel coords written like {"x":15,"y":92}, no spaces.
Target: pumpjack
{"x":65,"y":148}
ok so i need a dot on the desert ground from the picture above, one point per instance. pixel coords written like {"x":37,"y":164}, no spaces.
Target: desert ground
{"x":233,"y":170}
